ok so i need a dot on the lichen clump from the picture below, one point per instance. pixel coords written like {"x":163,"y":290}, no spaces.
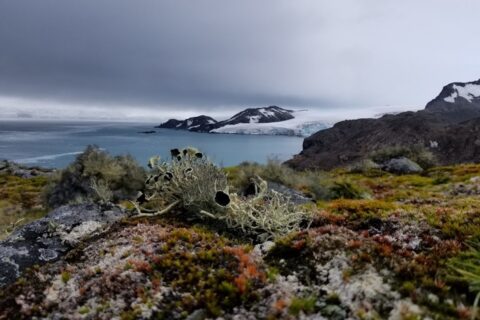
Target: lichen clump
{"x":193,"y":183}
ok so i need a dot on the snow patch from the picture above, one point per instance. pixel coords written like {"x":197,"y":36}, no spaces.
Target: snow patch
{"x":468,"y":92}
{"x":254,"y":119}
{"x":267,"y":113}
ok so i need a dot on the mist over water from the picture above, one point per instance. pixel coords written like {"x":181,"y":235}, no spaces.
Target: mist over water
{"x":56,"y":144}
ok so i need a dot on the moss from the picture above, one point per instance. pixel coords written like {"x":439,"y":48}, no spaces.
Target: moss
{"x":305,"y":305}
{"x":408,"y":287}
{"x":333,"y":298}
{"x":272,"y":273}
{"x":413,"y":226}
{"x":361,"y":209}
{"x":346,"y":190}
{"x":66,"y":276}
{"x":20,"y":201}
{"x":84,"y":310}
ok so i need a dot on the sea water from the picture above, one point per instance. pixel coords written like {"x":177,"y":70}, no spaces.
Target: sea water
{"x":55,"y":144}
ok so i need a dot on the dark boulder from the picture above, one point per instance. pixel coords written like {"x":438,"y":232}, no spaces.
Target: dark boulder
{"x":402,"y":166}
{"x":48,"y":239}
{"x":294,"y":196}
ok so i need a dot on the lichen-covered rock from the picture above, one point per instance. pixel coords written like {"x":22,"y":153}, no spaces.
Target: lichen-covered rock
{"x":141,"y":271}
{"x":402,"y":165}
{"x":49,"y":238}
{"x":8,"y":167}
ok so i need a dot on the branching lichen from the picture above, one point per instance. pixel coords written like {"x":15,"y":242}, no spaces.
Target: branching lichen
{"x":191,"y":182}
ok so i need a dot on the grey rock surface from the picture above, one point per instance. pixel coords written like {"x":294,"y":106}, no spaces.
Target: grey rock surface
{"x":402,"y":165}
{"x":47,"y":239}
{"x":19,"y":170}
{"x":294,"y":196}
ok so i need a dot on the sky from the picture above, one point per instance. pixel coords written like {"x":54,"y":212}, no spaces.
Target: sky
{"x":156,"y":59}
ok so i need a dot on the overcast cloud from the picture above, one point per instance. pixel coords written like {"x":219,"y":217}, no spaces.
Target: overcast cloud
{"x":162,"y":58}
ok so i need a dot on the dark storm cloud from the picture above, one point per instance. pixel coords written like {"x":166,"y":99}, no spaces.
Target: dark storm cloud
{"x":213,"y":54}
{"x":146,"y":52}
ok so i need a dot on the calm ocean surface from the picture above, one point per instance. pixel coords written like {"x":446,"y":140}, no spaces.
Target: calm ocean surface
{"x":55,"y":144}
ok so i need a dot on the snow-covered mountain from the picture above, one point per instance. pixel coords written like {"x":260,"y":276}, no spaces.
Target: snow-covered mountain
{"x":458,"y":101}
{"x":259,"y":115}
{"x":197,"y":124}
{"x":301,"y":124}
{"x":270,"y":120}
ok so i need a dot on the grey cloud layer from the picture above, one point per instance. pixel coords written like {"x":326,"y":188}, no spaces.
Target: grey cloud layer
{"x":212,"y":54}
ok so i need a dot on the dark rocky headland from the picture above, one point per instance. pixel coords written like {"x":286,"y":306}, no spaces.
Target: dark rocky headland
{"x":448,"y":127}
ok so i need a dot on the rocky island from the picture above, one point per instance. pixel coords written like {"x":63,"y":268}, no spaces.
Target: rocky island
{"x":270,"y":120}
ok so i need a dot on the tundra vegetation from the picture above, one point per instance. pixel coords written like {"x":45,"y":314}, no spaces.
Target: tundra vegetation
{"x":369,"y":244}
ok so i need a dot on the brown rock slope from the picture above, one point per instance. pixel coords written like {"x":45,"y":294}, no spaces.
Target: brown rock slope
{"x":449,"y":127}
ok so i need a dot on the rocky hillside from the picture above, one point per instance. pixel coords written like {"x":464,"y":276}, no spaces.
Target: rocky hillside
{"x":447,"y":127}
{"x":457,"y":101}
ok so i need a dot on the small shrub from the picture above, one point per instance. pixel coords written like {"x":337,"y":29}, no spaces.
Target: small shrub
{"x":96,"y":176}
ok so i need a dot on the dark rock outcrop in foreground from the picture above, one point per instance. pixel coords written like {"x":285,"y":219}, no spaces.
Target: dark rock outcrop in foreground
{"x":51,"y":237}
{"x":449,"y":127}
{"x":250,"y":115}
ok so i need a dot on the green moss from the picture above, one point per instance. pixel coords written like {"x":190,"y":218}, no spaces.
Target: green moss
{"x":361,"y":209}
{"x":272,"y":273}
{"x":20,"y":201}
{"x":66,"y":276}
{"x":305,"y":305}
{"x":333,"y":298}
{"x":346,"y":190}
{"x":408,"y":287}
{"x":84,"y":310}
{"x":466,"y":267}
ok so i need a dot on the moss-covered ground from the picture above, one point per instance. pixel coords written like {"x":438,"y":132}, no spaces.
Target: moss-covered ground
{"x":20,"y":201}
{"x":380,"y":246}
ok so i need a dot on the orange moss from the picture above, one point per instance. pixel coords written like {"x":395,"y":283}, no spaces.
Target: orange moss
{"x":280,"y":305}
{"x":140,"y":265}
{"x":247,"y":268}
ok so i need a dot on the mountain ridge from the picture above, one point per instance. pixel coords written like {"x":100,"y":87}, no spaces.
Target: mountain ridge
{"x":448,"y":127}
